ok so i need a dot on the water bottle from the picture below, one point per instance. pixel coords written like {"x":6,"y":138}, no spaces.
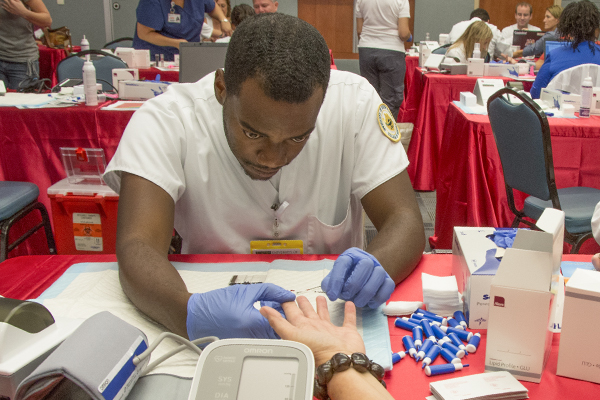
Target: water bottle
{"x":586,"y":97}
{"x":89,"y":84}
{"x":85,"y":45}
{"x":476,"y":51}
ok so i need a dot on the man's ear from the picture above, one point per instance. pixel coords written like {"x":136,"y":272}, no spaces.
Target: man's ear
{"x":220,"y":91}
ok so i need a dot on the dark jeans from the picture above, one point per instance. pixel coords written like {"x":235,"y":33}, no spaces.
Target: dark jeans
{"x":13,"y":73}
{"x":385,"y":70}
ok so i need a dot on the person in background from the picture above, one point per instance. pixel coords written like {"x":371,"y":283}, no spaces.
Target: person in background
{"x":479,"y":14}
{"x":382,"y":27}
{"x":523,"y":14}
{"x":238,"y":14}
{"x":265,"y":6}
{"x":579,"y":24}
{"x":477,"y":32}
{"x":314,"y":329}
{"x":550,"y":23}
{"x":18,"y":50}
{"x":163,"y":24}
{"x":211,"y":30}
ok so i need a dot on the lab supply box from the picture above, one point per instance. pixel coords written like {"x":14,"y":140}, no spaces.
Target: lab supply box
{"x":519,"y":334}
{"x":579,"y":354}
{"x":84,"y":217}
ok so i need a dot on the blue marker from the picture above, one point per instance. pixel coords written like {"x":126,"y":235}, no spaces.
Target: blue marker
{"x":463,"y":335}
{"x":396,"y":357}
{"x":401,"y":323}
{"x":457,"y":342}
{"x":474,"y":343}
{"x":460,"y":317}
{"x":409,"y":345}
{"x":449,"y":356}
{"x":424,"y":349}
{"x":453,"y":323}
{"x":427,"y":331}
{"x":417,"y":336}
{"x":443,"y":369}
{"x":431,"y":355}
{"x":439,"y":333}
{"x":457,"y":352}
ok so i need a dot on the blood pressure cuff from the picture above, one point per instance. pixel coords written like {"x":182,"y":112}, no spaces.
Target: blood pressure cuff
{"x":95,"y":362}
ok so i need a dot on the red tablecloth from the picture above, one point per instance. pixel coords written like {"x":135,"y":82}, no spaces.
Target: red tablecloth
{"x":49,"y":59}
{"x":149,"y":74}
{"x":470,"y":185}
{"x":31,"y":139}
{"x":28,"y":277}
{"x":412,"y":91}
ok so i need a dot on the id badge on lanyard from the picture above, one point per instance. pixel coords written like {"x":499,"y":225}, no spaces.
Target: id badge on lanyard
{"x":173,"y":17}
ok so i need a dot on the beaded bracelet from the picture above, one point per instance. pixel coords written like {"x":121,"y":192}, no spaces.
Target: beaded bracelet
{"x":341,"y":362}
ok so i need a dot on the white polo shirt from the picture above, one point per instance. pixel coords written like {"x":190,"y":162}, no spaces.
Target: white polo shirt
{"x":380,"y":23}
{"x":177,"y":141}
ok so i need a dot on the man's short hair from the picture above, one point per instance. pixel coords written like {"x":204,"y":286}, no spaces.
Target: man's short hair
{"x":524,"y":4}
{"x":288,"y":56}
{"x":481,"y":14}
{"x":240,"y":13}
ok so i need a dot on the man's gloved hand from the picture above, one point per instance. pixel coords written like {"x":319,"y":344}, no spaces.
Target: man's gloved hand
{"x":358,"y":276}
{"x":230,"y":313}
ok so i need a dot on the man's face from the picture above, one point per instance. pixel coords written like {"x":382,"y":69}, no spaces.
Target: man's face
{"x":523,"y":16}
{"x":264,"y":134}
{"x":265,"y":6}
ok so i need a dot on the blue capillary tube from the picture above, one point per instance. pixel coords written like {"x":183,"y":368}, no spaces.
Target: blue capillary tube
{"x":462,"y":335}
{"x":427,"y":331}
{"x":474,"y":343}
{"x":402,"y":323}
{"x":439,"y":334}
{"x":417,"y":336}
{"x":443,"y":369}
{"x":433,"y":317}
{"x":453,"y":323}
{"x":449,"y":356}
{"x":427,"y":344}
{"x":460,"y":317}
{"x":457,"y":352}
{"x":431,"y":355}
{"x":456,"y":340}
{"x":396,"y":357}
{"x":409,"y":345}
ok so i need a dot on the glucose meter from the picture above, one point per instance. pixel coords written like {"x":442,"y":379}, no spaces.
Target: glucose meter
{"x":248,"y":369}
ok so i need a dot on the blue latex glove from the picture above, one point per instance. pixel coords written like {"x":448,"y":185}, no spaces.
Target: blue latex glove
{"x":359,"y":277}
{"x":504,"y":237}
{"x":230,"y":313}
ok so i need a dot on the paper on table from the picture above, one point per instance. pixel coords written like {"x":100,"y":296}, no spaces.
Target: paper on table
{"x":123,"y":105}
{"x":25,"y":99}
{"x":490,"y":385}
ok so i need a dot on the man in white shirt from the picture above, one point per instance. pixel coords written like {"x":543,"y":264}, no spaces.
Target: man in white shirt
{"x":479,"y":14}
{"x":382,"y":27}
{"x":265,"y":6}
{"x":523,"y":14}
{"x":275,"y":148}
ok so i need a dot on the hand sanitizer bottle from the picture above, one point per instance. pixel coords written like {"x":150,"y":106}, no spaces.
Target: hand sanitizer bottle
{"x":89,"y":84}
{"x":85,"y":45}
{"x":586,"y":97}
{"x":476,"y":51}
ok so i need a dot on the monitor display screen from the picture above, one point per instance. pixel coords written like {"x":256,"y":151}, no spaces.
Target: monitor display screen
{"x":197,"y":60}
{"x":520,"y":37}
{"x":551,"y":45}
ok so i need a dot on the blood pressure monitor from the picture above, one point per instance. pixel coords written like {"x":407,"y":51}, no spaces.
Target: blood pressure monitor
{"x":249,"y":369}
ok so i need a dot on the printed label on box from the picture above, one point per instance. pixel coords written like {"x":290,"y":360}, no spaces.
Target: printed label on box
{"x":87,"y":232}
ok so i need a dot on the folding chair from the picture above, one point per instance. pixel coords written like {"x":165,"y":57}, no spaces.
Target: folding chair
{"x":72,"y":66}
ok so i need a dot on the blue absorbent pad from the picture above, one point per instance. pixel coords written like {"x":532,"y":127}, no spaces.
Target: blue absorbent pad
{"x":568,"y":267}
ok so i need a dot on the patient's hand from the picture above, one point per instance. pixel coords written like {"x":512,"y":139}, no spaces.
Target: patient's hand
{"x":596,"y":261}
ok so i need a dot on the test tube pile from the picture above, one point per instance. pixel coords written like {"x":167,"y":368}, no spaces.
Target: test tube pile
{"x":434,"y":336}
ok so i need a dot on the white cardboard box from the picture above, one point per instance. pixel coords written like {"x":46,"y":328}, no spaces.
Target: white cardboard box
{"x":469,"y":248}
{"x":484,"y":88}
{"x":475,"y":66}
{"x":519,"y":335}
{"x":579,"y":354}
{"x":124,"y":74}
{"x":141,"y":90}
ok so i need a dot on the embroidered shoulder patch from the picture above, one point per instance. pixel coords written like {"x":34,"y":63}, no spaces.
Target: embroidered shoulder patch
{"x":387,"y":123}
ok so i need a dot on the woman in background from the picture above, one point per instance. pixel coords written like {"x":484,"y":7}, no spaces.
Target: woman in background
{"x":163,"y":24}
{"x":579,"y":23}
{"x":18,"y":51}
{"x":551,"y":20}
{"x":477,"y":32}
{"x":211,"y":30}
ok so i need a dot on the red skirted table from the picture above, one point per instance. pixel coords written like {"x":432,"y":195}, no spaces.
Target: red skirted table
{"x":470,"y":186}
{"x":27,"y":277}
{"x":412,"y":91}
{"x":49,"y":59}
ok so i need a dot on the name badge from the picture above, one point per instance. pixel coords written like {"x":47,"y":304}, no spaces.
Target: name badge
{"x":174,"y":18}
{"x":276,"y":247}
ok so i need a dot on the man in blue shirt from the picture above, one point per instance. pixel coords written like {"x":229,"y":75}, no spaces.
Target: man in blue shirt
{"x":163,"y":24}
